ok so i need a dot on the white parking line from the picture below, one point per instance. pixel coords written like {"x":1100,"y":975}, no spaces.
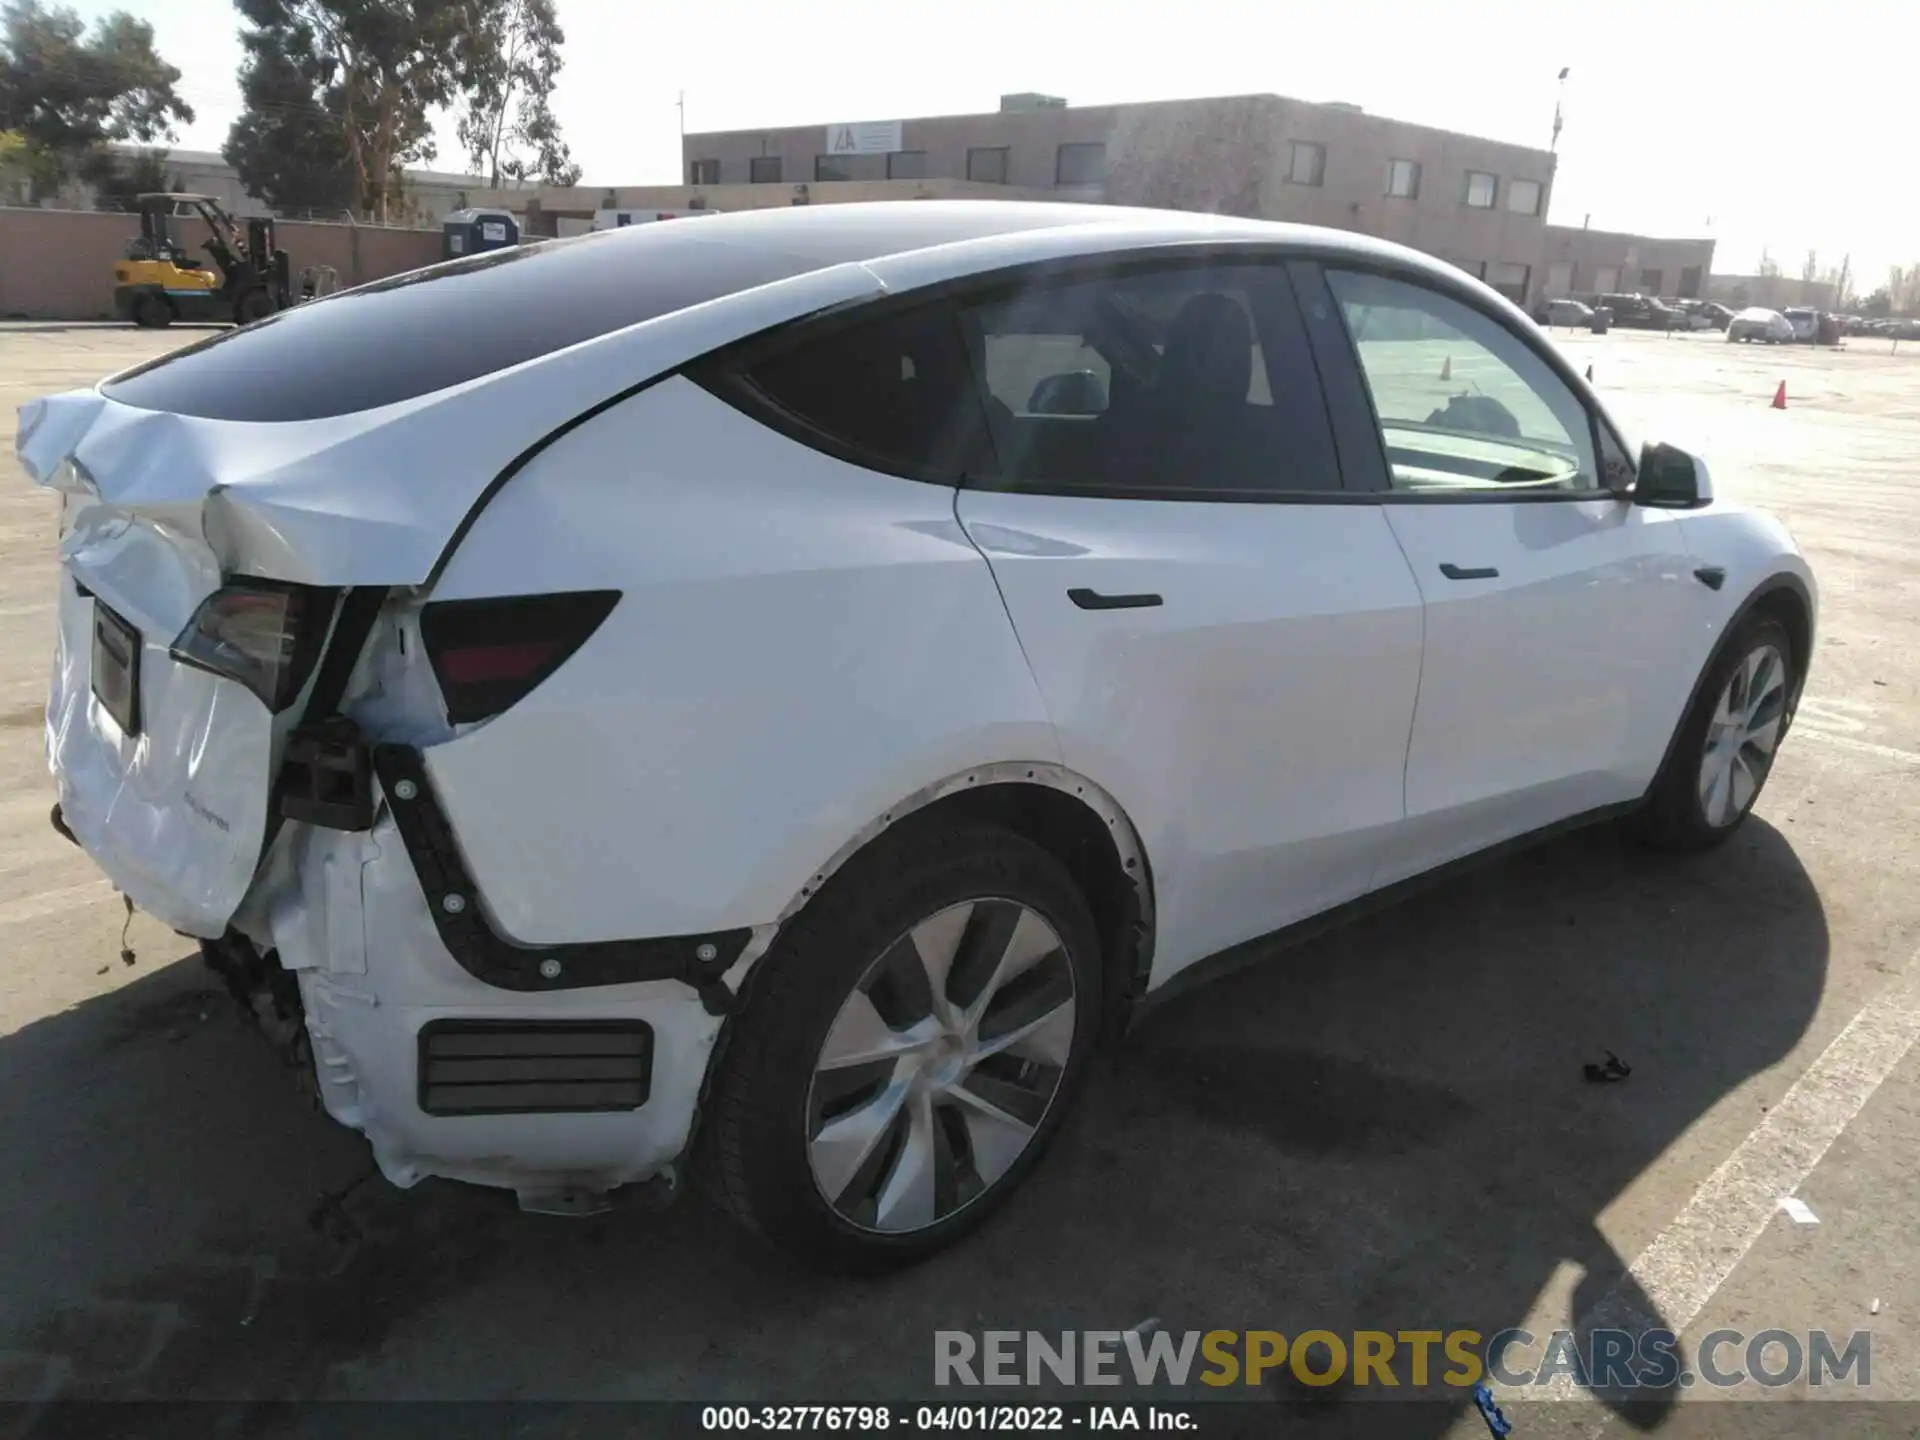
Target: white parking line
{"x":1864,"y":747}
{"x":1687,"y":1262}
{"x":52,"y":902}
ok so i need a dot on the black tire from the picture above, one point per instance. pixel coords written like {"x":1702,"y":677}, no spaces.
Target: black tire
{"x":152,"y":312}
{"x":252,"y":305}
{"x":760,"y":1122}
{"x":1675,"y":816}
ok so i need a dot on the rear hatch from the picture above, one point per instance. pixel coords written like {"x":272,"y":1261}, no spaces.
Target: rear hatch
{"x":205,"y":548}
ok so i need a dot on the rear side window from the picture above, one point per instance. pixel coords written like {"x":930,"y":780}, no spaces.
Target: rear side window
{"x":890,"y":392}
{"x":429,"y":329}
{"x":1185,"y":382}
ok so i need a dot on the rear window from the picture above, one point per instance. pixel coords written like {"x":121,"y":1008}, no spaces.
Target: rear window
{"x":429,"y":329}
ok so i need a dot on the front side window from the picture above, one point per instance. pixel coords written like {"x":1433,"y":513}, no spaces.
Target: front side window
{"x":1464,"y":405}
{"x":1403,"y":179}
{"x":1187,"y":382}
{"x":1523,"y":197}
{"x":1306,"y":163}
{"x":1081,"y":164}
{"x":705,"y":172}
{"x":764,"y":170}
{"x":907,"y":165}
{"x":1481,"y":189}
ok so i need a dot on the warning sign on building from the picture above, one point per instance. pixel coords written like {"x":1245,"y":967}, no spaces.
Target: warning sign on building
{"x":864,"y":137}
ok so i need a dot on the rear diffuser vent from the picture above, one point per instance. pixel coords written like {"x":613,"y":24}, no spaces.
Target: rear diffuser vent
{"x":526,"y":1067}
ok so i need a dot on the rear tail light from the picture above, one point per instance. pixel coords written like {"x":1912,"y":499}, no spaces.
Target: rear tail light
{"x":489,"y":654}
{"x":262,"y":633}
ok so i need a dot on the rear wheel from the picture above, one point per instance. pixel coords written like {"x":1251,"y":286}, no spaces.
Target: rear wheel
{"x":908,"y":1049}
{"x":1726,"y":745}
{"x":152,"y":312}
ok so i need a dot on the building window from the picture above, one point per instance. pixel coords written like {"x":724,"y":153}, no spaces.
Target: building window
{"x":764,"y":170}
{"x":1690,"y":283}
{"x":705,"y":172}
{"x":1481,"y":189}
{"x":1306,"y":163}
{"x":830,"y":167}
{"x":1650,"y":280}
{"x":1523,"y":197}
{"x":987,"y":164}
{"x":1081,"y":164}
{"x":907,"y":165}
{"x":1403,"y":179}
{"x":1606,"y":280}
{"x":1510,"y":279}
{"x":1560,"y":279}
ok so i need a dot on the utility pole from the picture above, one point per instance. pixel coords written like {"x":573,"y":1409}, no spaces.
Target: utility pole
{"x":1559,"y":96}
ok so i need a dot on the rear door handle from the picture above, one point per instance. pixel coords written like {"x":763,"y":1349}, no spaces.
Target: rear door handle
{"x":1094,"y":600}
{"x":1468,"y":572}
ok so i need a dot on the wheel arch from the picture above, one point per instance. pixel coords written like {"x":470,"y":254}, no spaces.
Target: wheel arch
{"x":1067,"y":814}
{"x":1783,"y":596}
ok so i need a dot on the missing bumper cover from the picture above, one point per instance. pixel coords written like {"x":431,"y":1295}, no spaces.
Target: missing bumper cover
{"x":453,"y":901}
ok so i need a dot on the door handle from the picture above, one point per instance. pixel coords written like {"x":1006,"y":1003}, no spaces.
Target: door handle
{"x":1094,"y":600}
{"x":1468,"y":572}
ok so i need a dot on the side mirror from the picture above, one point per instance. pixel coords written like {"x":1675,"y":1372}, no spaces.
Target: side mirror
{"x":1671,"y":479}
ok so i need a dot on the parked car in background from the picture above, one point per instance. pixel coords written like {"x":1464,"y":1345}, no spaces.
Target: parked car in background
{"x":1641,"y":312}
{"x":1566,"y":312}
{"x":1805,"y":322}
{"x":1704,"y":314}
{"x":1759,"y":323}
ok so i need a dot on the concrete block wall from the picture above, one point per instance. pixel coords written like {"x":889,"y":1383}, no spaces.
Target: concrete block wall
{"x":58,"y":264}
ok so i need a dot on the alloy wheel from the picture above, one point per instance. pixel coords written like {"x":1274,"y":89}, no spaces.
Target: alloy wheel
{"x":940,"y":1066}
{"x":1742,"y":736}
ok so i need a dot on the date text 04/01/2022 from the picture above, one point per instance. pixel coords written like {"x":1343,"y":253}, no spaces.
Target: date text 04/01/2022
{"x":870,"y":1419}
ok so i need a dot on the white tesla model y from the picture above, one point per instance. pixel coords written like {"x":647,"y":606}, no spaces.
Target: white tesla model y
{"x":773,"y":693}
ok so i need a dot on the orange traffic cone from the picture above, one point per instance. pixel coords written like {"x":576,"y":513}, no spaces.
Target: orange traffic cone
{"x":1446,"y":368}
{"x":1780,"y":397}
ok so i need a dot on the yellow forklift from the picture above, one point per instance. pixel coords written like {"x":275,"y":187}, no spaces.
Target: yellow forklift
{"x":159,"y":282}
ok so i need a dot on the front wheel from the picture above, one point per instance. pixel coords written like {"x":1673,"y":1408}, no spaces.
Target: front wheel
{"x":1726,"y":744}
{"x":908,"y":1048}
{"x":152,"y":312}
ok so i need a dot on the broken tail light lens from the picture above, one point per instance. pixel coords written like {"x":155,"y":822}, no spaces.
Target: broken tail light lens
{"x":490,"y":654}
{"x":262,"y":633}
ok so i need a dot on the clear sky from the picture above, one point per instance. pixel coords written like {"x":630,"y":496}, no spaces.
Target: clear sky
{"x":1683,"y":117}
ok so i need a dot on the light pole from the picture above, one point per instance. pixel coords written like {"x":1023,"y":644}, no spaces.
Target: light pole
{"x":1559,"y":95}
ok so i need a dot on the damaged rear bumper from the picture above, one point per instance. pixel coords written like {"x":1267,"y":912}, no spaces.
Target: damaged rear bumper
{"x":586,"y":1086}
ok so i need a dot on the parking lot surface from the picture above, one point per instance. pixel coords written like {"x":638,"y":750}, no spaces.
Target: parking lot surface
{"x":1386,"y":1128}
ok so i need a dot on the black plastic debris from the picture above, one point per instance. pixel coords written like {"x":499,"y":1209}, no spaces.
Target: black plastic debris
{"x":1614,"y":1069}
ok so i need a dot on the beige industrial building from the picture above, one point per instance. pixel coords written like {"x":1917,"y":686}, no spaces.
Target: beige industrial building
{"x":1478,"y":203}
{"x":1579,"y":262}
{"x":1774,"y":292}
{"x":427,"y":197}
